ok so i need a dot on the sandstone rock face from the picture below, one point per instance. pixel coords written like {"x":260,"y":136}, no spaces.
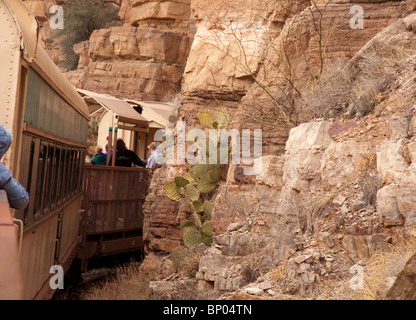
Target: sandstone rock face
{"x":396,"y":200}
{"x":137,"y":63}
{"x":305,"y":149}
{"x":143,"y":59}
{"x":160,"y":231}
{"x":341,"y":162}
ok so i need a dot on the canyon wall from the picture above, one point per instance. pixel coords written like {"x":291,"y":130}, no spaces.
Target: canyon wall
{"x":308,"y":202}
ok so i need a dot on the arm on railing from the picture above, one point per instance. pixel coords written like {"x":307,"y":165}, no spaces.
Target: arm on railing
{"x":11,"y":286}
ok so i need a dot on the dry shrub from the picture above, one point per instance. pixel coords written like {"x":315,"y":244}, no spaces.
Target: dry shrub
{"x":189,"y":266}
{"x":356,"y":87}
{"x":328,"y":96}
{"x":384,"y":266}
{"x":314,"y":213}
{"x":278,"y":273}
{"x":130,"y":283}
{"x":368,"y":178}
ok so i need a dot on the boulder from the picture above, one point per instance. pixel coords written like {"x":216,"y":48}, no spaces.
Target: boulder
{"x":269,"y":170}
{"x":396,"y":205}
{"x":363,"y":247}
{"x":404,"y":287}
{"x":341,"y":161}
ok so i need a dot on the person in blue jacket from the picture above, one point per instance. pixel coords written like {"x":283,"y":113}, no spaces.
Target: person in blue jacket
{"x":100,"y":158}
{"x":16,"y":195}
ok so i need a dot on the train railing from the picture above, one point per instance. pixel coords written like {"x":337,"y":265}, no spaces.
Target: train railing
{"x":11,"y":286}
{"x":112,"y":217}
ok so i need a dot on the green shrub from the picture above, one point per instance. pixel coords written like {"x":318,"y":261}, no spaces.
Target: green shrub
{"x":81,"y":18}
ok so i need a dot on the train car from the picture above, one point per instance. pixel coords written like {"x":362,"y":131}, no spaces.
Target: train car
{"x":49,"y":124}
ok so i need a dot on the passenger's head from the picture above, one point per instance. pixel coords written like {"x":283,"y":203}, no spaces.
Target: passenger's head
{"x":98,"y":149}
{"x":152,"y":147}
{"x":121,"y":145}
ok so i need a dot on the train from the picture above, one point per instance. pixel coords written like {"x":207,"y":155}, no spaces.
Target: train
{"x":48,"y":120}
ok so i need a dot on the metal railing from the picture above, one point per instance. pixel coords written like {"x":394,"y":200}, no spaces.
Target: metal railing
{"x":112,"y":206}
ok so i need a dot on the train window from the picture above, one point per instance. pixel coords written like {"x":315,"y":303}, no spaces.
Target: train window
{"x":76,"y":171}
{"x":50,"y":178}
{"x":56,"y":175}
{"x":40,"y":178}
{"x":53,"y":175}
{"x":68,"y":172}
{"x":62,"y":179}
{"x":29,"y":177}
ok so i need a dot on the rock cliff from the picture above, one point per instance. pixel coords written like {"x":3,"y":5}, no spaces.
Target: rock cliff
{"x":327,"y":195}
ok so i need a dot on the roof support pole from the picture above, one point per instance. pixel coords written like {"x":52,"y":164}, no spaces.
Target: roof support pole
{"x":115,"y":124}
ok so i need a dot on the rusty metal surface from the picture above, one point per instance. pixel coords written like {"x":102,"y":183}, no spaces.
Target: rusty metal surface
{"x":112,"y":204}
{"x":11,"y":287}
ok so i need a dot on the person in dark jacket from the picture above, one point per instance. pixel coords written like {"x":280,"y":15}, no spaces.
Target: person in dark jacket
{"x":16,"y":195}
{"x":100,"y":158}
{"x":125,"y":157}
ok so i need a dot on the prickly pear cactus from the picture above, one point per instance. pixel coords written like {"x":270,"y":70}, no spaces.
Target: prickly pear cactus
{"x":213,"y":174}
{"x":197,"y":185}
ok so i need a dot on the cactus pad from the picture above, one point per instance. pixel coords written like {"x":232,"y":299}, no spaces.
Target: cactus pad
{"x":186,"y":224}
{"x":206,"y":119}
{"x":205,"y":186}
{"x":208,"y":207}
{"x":207,"y":240}
{"x":198,"y":171}
{"x":207,"y":228}
{"x":192,"y":238}
{"x":171,"y":191}
{"x":198,"y":206}
{"x":223,"y":118}
{"x":181,"y":182}
{"x":192,"y":192}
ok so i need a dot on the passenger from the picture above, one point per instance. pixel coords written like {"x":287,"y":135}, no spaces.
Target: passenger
{"x":125,"y":157}
{"x":16,"y":195}
{"x":156,"y":154}
{"x":100,"y":158}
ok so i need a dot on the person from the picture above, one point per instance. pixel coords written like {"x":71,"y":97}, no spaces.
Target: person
{"x":16,"y":194}
{"x":155,"y":156}
{"x":125,"y":157}
{"x":100,"y":158}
